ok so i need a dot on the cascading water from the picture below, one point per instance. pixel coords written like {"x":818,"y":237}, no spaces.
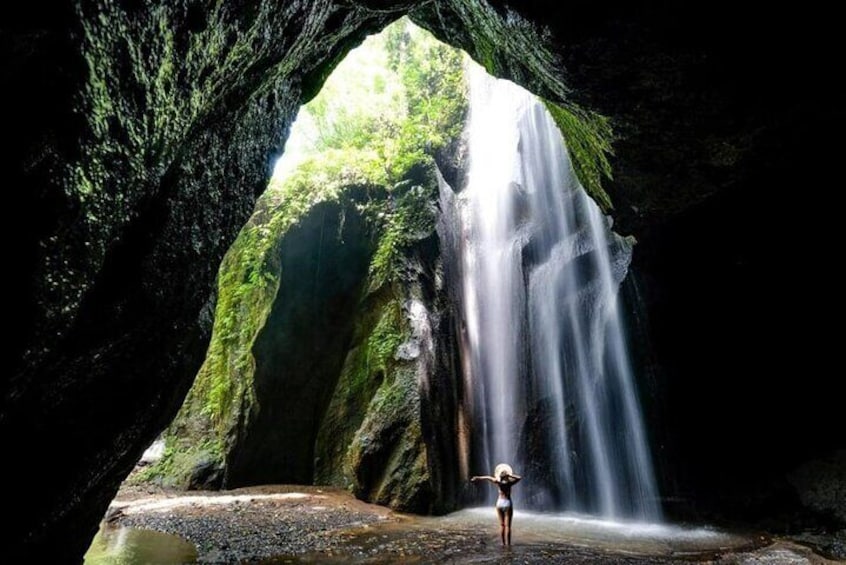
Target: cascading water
{"x":548,"y":380}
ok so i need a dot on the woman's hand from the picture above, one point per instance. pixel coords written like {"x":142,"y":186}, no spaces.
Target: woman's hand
{"x":474,"y":479}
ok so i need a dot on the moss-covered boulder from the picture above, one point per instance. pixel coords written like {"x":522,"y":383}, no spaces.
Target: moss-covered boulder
{"x":371,"y":439}
{"x":258,"y":399}
{"x":301,"y":347}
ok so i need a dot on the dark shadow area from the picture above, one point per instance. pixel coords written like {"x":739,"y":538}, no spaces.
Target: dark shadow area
{"x":741,"y":297}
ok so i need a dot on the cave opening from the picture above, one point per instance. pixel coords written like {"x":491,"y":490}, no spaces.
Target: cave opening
{"x":139,"y":140}
{"x":314,"y":300}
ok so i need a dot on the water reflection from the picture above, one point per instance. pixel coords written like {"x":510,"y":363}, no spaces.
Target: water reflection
{"x":630,"y":537}
{"x":116,"y":545}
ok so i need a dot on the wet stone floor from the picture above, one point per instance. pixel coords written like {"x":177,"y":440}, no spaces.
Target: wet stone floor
{"x":296,"y":524}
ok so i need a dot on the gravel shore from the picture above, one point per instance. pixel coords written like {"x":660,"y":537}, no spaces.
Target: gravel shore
{"x":303,"y":524}
{"x":248,"y":524}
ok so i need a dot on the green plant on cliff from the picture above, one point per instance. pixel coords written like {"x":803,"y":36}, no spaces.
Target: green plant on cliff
{"x":588,"y":136}
{"x":409,"y":218}
{"x":399,"y":98}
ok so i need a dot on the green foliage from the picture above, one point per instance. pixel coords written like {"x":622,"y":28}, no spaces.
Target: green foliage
{"x":589,"y":137}
{"x":326,"y":175}
{"x":410,"y":217}
{"x":432,"y":76}
{"x":399,"y":97}
{"x":387,"y":336}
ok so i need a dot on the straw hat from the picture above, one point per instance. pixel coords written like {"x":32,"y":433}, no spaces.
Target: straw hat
{"x":502,"y":467}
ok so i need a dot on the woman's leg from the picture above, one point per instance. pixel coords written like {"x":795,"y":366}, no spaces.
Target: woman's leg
{"x":501,"y":513}
{"x":508,"y":516}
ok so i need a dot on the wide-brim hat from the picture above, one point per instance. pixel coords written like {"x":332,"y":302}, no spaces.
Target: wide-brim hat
{"x":502,"y":467}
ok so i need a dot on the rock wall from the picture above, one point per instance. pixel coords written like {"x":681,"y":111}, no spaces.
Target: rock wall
{"x":337,"y":383}
{"x":371,"y":440}
{"x":742,"y":399}
{"x":301,"y":347}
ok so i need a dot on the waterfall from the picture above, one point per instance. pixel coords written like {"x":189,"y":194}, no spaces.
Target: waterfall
{"x":549,"y":384}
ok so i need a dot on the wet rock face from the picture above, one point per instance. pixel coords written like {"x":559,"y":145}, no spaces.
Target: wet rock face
{"x":139,"y":135}
{"x":821,"y":485}
{"x":302,"y":346}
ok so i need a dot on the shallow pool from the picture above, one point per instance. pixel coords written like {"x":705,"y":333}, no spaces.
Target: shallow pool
{"x":117,"y":545}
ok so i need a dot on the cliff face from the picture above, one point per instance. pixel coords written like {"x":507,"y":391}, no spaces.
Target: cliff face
{"x":139,"y":136}
{"x":332,"y":382}
{"x":301,"y":347}
{"x":372,"y":438}
{"x":327,"y":327}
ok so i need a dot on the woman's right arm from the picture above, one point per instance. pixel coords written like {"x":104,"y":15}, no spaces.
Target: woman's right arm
{"x":482,"y":478}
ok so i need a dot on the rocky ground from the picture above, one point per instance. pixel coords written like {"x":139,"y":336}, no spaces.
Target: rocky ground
{"x":300,"y":524}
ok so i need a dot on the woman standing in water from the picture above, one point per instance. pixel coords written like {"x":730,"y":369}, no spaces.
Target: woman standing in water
{"x":504,"y":478}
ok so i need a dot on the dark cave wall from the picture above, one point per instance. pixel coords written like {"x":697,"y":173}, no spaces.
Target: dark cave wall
{"x":746,"y":374}
{"x":739,"y":301}
{"x":139,"y":134}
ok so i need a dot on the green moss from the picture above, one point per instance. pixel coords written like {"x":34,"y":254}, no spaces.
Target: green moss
{"x":379,"y":332}
{"x":178,"y":462}
{"x":410,"y":217}
{"x":405,"y":482}
{"x":376,"y":401}
{"x":388,"y":334}
{"x":387,"y":456}
{"x":588,"y":136}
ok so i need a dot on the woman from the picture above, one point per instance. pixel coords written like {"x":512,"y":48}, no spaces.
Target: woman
{"x":504,"y":478}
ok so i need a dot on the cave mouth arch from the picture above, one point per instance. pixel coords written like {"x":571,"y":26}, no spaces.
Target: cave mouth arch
{"x":141,"y":139}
